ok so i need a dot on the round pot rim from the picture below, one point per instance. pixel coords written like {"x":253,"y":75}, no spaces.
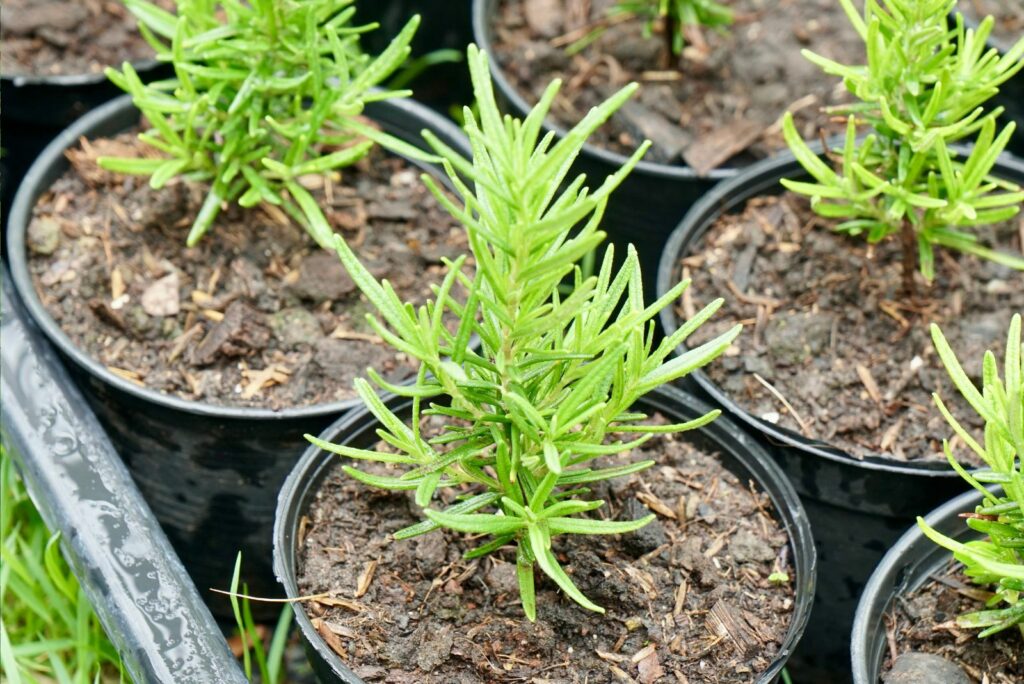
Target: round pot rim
{"x":77,"y":79}
{"x":876,"y":584}
{"x":797,"y":525}
{"x":717,"y":202}
{"x":21,"y":214}
{"x":684,"y":172}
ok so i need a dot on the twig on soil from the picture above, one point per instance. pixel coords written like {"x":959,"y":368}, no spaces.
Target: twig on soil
{"x":778,"y":395}
{"x":182,"y":341}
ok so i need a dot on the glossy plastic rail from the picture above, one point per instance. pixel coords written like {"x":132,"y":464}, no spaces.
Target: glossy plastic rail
{"x":140,"y":590}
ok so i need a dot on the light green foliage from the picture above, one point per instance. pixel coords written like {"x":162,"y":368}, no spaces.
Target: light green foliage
{"x":997,"y":560}
{"x":553,"y":377}
{"x":266,"y":92}
{"x":48,"y":632}
{"x":677,"y":16}
{"x":923,"y":88}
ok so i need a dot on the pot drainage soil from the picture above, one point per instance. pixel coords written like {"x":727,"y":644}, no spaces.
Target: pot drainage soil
{"x":256,"y":314}
{"x":57,"y":37}
{"x":722,"y":104}
{"x":689,"y":595}
{"x":925,"y":622}
{"x":833,"y":349}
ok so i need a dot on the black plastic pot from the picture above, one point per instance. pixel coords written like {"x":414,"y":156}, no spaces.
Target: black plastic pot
{"x":210,"y":473}
{"x":857,"y":507}
{"x":737,"y":450}
{"x":651,"y":200}
{"x":37,"y":108}
{"x":443,"y":26}
{"x":146,"y":603}
{"x":911,"y":562}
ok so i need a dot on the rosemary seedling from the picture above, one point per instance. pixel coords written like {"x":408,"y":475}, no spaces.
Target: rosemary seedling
{"x":266,"y":93}
{"x":553,"y":383}
{"x":922,"y":89}
{"x":679,"y":19}
{"x":997,"y":561}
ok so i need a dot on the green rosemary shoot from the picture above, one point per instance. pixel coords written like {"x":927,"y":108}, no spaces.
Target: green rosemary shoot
{"x":266,"y":93}
{"x":921,"y":90}
{"x":553,"y":377}
{"x":997,"y":561}
{"x":679,"y":18}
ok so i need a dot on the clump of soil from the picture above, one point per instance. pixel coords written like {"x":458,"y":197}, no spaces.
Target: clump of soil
{"x":829,"y":328}
{"x":256,"y":314}
{"x":687,"y":596}
{"x":721,"y":104}
{"x":925,"y":621}
{"x":58,"y":37}
{"x":1008,"y":14}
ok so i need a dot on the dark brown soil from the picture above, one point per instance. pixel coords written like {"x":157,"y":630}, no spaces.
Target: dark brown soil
{"x":51,"y":37}
{"x":1009,"y":16}
{"x":720,"y":105}
{"x":430,"y":617}
{"x":926,"y":621}
{"x":829,"y":327}
{"x":256,"y":314}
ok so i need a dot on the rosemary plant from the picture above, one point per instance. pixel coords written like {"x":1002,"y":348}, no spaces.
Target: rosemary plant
{"x":266,"y":93}
{"x":554,"y":377}
{"x":678,"y":18}
{"x":922,"y":89}
{"x":998,"y":560}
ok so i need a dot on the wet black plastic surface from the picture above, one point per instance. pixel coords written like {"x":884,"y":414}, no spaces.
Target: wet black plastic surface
{"x":651,"y":201}
{"x":210,"y":473}
{"x":738,"y":451}
{"x":858,"y":508}
{"x":138,"y":587}
{"x":906,"y":566}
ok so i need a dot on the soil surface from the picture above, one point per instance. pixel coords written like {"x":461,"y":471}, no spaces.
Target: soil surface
{"x":254,"y":315}
{"x":51,"y":37}
{"x":829,"y":327}
{"x":687,"y":597}
{"x":720,"y":103}
{"x":925,"y":621}
{"x":1009,"y":16}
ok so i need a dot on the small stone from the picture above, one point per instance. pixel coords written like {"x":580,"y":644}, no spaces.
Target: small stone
{"x":747,"y":547}
{"x":544,"y":16}
{"x":322,"y":277}
{"x":295,"y":326}
{"x":647,"y":538}
{"x":924,"y":668}
{"x":161,"y":297}
{"x":43,"y":235}
{"x":794,"y":338}
{"x":501,"y":578}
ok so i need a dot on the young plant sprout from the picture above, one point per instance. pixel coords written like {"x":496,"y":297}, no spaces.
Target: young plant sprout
{"x":998,"y":560}
{"x":680,"y":19}
{"x":922,"y":89}
{"x":267,"y":92}
{"x":554,"y":377}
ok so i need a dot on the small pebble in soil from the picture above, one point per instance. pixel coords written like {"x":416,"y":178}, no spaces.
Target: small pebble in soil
{"x":43,"y":235}
{"x":925,"y":668}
